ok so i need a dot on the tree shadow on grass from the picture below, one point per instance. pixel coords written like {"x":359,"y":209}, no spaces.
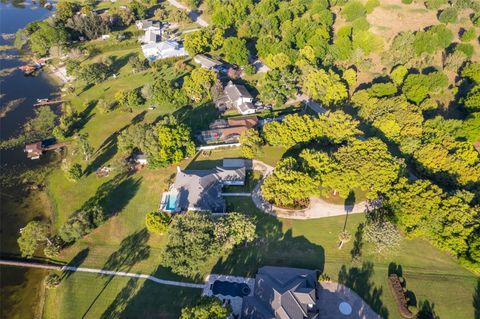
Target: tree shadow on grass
{"x":109,"y":147}
{"x":359,"y":279}
{"x":75,"y":262}
{"x":476,"y":300}
{"x":154,"y":300}
{"x":272,"y":247}
{"x":120,"y":62}
{"x":114,"y":194}
{"x":427,"y":310}
{"x":356,"y":251}
{"x":133,"y":249}
{"x":197,"y":118}
{"x":117,"y":306}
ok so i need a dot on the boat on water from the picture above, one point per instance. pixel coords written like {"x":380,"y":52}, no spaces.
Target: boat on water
{"x":42,"y":100}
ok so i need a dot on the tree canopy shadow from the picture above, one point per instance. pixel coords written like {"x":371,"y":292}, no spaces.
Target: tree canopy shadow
{"x":153,"y":300}
{"x":75,"y":262}
{"x":133,"y":249}
{"x":272,"y":247}
{"x":427,"y":310}
{"x":359,"y":279}
{"x":356,"y":251}
{"x":476,"y":300}
{"x":114,"y":194}
{"x":197,"y":118}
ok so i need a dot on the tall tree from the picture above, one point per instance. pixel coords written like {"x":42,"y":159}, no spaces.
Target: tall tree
{"x":31,"y":236}
{"x":325,"y":86}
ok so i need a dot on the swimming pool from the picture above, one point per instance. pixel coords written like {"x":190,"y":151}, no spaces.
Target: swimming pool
{"x":170,"y":203}
{"x":228,"y":288}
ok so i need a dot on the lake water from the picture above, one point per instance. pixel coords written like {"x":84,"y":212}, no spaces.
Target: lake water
{"x":20,"y":289}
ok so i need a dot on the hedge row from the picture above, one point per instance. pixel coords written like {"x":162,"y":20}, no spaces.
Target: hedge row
{"x":399,"y":295}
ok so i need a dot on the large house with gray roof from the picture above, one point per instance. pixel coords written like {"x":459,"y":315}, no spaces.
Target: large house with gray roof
{"x":283,"y":293}
{"x":201,"y":190}
{"x":235,"y":95}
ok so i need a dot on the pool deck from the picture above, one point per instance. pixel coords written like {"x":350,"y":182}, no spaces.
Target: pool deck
{"x":235,"y":302}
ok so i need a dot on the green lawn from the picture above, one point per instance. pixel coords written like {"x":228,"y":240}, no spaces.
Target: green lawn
{"x":430,"y":274}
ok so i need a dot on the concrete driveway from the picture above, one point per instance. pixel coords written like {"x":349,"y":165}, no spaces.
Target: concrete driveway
{"x":332,"y":294}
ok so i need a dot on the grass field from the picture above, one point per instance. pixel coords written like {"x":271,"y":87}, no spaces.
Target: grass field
{"x":122,"y":243}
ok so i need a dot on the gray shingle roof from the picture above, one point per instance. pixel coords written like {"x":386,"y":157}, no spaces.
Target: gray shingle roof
{"x":201,"y":189}
{"x":236,"y":91}
{"x":282,"y":293}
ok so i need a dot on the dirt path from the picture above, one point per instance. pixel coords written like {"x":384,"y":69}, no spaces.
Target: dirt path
{"x":99,"y":271}
{"x":195,"y":16}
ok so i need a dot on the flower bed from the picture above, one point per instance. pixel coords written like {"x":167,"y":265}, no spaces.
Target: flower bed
{"x":399,"y":295}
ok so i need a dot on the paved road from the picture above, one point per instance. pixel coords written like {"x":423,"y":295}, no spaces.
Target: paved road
{"x":101,"y":272}
{"x":194,"y":15}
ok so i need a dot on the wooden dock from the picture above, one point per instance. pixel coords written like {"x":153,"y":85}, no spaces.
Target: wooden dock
{"x":48,"y":103}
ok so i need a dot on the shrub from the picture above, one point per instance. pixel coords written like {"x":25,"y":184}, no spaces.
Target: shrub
{"x":399,"y":296}
{"x":475,"y":18}
{"x":468,"y":35}
{"x":353,"y":10}
{"x":371,"y":5}
{"x":407,"y":1}
{"x":434,"y":4}
{"x":157,"y":222}
{"x":449,"y":15}
{"x":398,"y":74}
{"x":382,"y":89}
{"x":52,"y":281}
{"x":466,"y":48}
{"x":360,"y":24}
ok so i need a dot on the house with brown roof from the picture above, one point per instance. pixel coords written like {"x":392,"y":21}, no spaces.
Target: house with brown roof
{"x":34,"y":150}
{"x":227,"y":131}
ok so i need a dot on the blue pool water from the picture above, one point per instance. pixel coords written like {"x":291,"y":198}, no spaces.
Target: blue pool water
{"x":233,"y":289}
{"x":171,"y":202}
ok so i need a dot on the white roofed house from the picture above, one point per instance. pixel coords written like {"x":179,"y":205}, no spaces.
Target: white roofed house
{"x":206,"y":62}
{"x":152,"y":35}
{"x":163,"y":50}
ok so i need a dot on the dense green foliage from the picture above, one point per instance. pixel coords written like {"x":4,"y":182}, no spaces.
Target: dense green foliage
{"x":165,"y":143}
{"x":193,"y":237}
{"x":31,"y":236}
{"x":157,"y":222}
{"x":206,"y":308}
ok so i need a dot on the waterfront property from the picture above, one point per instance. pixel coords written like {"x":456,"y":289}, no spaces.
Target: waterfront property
{"x":235,"y":96}
{"x":227,"y":131}
{"x":162,"y":50}
{"x":201,"y":190}
{"x":35,"y":150}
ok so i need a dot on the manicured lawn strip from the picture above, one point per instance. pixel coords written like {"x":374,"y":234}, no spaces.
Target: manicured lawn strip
{"x":89,"y":296}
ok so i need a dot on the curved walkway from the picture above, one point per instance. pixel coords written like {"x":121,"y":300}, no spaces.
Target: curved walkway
{"x":101,"y":272}
{"x":318,"y":208}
